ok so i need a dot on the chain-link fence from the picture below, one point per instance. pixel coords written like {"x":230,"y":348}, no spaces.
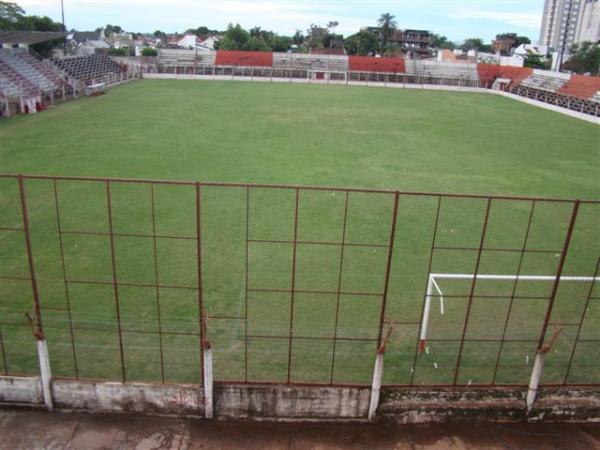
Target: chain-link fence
{"x":295,"y":285}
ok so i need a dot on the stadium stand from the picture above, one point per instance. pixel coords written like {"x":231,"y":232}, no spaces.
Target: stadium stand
{"x":544,"y":82}
{"x":583,"y":87}
{"x":489,"y":72}
{"x":244,"y":59}
{"x":13,"y":85}
{"x":442,"y":70}
{"x":310,"y":63}
{"x":379,"y":65}
{"x":87,"y":69}
{"x":32,"y":70}
{"x":171,"y":60}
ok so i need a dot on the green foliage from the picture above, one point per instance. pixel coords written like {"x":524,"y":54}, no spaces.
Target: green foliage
{"x":202,"y":31}
{"x":585,"y":59}
{"x":476,"y":44}
{"x":298,"y":37}
{"x":522,"y":40}
{"x":120,"y":52}
{"x":362,"y":43}
{"x":237,"y":38}
{"x":537,"y":62}
{"x":110,"y":29}
{"x":442,"y":42}
{"x":10,"y":14}
{"x":315,"y":36}
{"x":387,"y":25}
{"x":149,"y":52}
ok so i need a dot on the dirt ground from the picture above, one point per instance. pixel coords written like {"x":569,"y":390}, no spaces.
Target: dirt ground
{"x":27,"y":429}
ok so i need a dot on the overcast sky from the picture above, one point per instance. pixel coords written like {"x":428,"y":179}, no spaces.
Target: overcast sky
{"x":457,"y":19}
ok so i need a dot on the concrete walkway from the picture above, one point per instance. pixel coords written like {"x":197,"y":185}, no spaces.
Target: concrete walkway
{"x":25,"y":429}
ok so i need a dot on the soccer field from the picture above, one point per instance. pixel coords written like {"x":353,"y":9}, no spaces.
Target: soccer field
{"x":292,"y":279}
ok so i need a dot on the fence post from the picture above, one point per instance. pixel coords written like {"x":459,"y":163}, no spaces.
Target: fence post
{"x":388,"y":267}
{"x":378,"y":375}
{"x":38,"y":330}
{"x":202,"y":318}
{"x":543,"y":348}
{"x":376,"y":383}
{"x":208,"y":381}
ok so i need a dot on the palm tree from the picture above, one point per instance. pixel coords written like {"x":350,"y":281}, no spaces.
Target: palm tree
{"x":387,"y":25}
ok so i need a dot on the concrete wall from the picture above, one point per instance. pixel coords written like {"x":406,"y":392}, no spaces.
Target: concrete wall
{"x":290,"y":402}
{"x":500,"y":404}
{"x":177,"y":400}
{"x":303,"y":403}
{"x":21,"y":391}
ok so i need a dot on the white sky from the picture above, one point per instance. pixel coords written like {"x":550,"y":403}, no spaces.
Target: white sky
{"x":457,"y":19}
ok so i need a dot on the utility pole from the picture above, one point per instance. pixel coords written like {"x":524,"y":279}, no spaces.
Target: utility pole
{"x":62,"y":13}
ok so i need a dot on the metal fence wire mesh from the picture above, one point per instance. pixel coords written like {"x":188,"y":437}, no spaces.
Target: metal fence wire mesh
{"x":295,"y":285}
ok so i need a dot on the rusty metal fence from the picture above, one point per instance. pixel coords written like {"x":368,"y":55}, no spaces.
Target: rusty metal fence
{"x":296,"y":285}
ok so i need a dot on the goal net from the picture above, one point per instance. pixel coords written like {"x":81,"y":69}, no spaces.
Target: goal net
{"x":436,"y":289}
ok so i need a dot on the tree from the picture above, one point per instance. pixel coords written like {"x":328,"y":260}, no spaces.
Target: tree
{"x":585,"y":58}
{"x":475,"y":44}
{"x":537,"y":62}
{"x":149,"y":52}
{"x":10,"y":14}
{"x":440,"y":41}
{"x":235,"y":38}
{"x":298,"y":37}
{"x":315,"y":36}
{"x":387,"y":25}
{"x":522,"y":40}
{"x":110,"y":29}
{"x":362,"y":43}
{"x":280,"y":43}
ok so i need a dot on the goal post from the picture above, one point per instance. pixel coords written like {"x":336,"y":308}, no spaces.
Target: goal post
{"x":434,"y":279}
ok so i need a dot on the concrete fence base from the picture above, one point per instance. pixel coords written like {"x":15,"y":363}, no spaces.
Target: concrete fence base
{"x":306,"y":403}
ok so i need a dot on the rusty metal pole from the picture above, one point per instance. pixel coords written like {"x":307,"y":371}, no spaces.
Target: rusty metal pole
{"x":38,"y":329}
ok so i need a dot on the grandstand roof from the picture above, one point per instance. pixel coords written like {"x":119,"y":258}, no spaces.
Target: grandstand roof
{"x":82,"y":36}
{"x":29,"y":37}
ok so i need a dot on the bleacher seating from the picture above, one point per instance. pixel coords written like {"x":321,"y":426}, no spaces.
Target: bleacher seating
{"x":22,"y":69}
{"x":89,"y":67}
{"x":185,"y":58}
{"x":378,"y":65}
{"x":489,"y":72}
{"x":544,"y":82}
{"x":435,"y":69}
{"x":13,"y":85}
{"x":244,"y":59}
{"x":596,"y":97}
{"x":583,"y":87}
{"x":311,"y":63}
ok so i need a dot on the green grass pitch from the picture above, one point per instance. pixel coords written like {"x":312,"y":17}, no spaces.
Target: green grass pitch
{"x":409,"y":140}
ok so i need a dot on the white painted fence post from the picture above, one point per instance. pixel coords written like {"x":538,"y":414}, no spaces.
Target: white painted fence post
{"x":208,"y":382}
{"x":534,"y":382}
{"x":46,"y":373}
{"x":376,"y":383}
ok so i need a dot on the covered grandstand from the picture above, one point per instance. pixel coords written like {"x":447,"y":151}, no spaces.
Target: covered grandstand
{"x":27,"y":83}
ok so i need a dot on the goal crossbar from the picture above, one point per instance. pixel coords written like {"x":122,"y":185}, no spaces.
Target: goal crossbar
{"x":432,"y":283}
